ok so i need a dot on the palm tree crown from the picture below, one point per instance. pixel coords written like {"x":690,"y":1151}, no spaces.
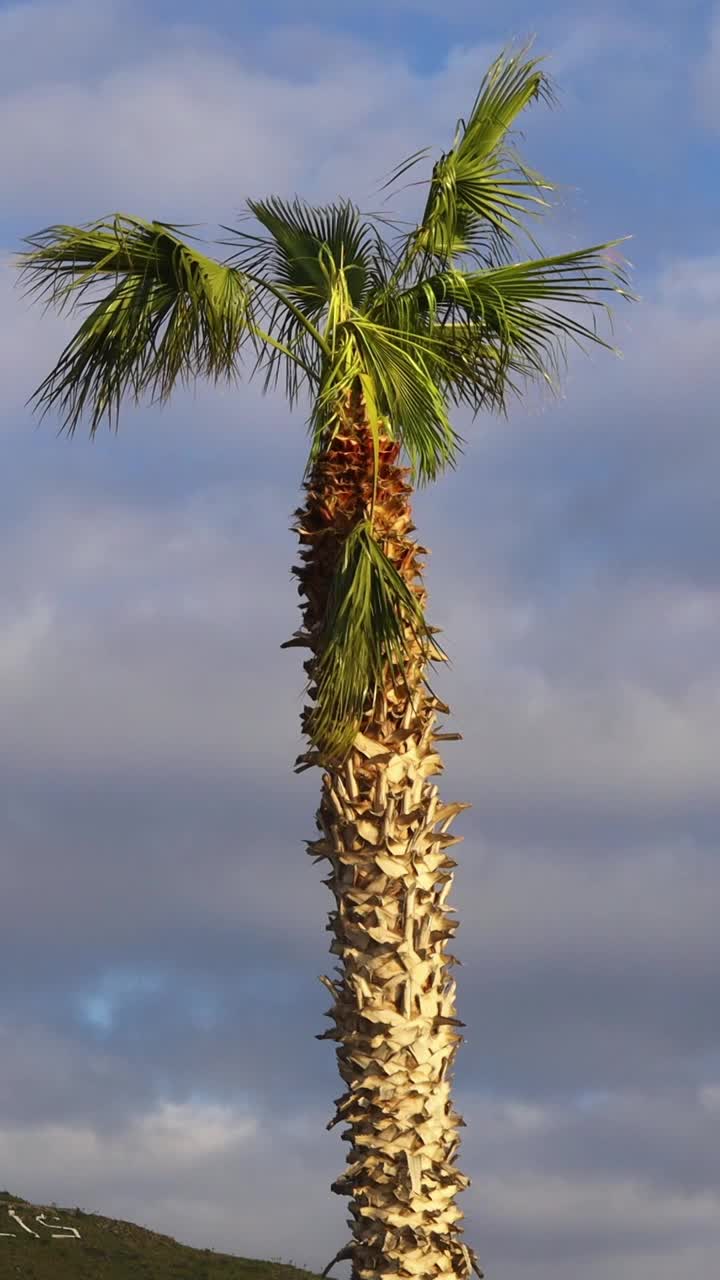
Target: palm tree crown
{"x":340,"y":305}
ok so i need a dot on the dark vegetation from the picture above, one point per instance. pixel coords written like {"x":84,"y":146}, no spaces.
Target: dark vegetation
{"x":112,"y":1250}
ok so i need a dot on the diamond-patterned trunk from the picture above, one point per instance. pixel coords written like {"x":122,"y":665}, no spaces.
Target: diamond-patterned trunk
{"x":385,"y":834}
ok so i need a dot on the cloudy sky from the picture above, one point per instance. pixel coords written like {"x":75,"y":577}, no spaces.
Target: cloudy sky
{"x":161,"y":930}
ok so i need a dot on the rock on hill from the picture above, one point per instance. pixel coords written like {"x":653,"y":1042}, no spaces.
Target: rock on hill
{"x":44,"y":1242}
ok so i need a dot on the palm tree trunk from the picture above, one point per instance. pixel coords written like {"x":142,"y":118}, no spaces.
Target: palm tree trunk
{"x":384,"y":833}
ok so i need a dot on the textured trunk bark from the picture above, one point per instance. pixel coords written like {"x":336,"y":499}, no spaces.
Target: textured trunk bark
{"x":384,"y":833}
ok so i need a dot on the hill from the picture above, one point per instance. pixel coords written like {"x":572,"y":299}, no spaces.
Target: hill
{"x":44,"y":1242}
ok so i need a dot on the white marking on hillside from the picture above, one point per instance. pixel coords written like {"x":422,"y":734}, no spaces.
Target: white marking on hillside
{"x":57,"y":1229}
{"x":74,"y":1233}
{"x":16,"y":1217}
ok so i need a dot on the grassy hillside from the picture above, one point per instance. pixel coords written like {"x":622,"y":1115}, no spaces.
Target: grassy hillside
{"x":111,"y":1250}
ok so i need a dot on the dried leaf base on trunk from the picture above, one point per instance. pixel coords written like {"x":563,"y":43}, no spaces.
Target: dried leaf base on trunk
{"x":385,"y":835}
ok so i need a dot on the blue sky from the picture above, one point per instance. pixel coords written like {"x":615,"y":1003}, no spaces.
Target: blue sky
{"x":160,"y":933}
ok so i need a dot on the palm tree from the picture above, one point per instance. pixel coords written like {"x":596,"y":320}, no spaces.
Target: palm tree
{"x":384,"y":328}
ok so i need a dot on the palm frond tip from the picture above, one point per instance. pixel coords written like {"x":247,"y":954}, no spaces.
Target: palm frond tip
{"x":480,"y":193}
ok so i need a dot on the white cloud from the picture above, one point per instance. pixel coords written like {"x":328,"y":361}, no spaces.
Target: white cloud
{"x":188,"y":1131}
{"x":134,"y":627}
{"x":694,"y":281}
{"x":22,"y":636}
{"x":558,"y":1208}
{"x":185,"y":127}
{"x":645,"y":910}
{"x":142,"y":639}
{"x":603,"y":696}
{"x":710,"y":1097}
{"x":174,"y":135}
{"x":82,"y":31}
{"x":30,"y":342}
{"x":621,"y":744}
{"x":154,"y":1144}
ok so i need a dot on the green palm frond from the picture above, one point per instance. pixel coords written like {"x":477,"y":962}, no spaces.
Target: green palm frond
{"x":302,"y":242}
{"x":169,"y":313}
{"x":512,"y":319}
{"x":404,"y":368}
{"x":370,"y":610}
{"x":469,"y":368}
{"x":398,"y":372}
{"x":322,"y":261}
{"x":480,"y":192}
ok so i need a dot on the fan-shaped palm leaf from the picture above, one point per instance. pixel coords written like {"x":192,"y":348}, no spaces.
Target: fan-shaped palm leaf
{"x":171,"y":313}
{"x":511,"y":318}
{"x":313,"y":264}
{"x":480,"y":192}
{"x":301,"y":244}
